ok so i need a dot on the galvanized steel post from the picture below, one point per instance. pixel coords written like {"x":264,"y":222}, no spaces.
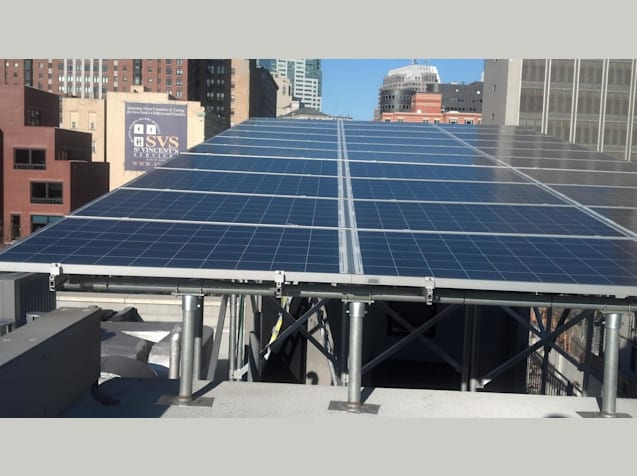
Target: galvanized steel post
{"x":356,"y":313}
{"x":175,"y":353}
{"x":611,"y":363}
{"x":232,"y":339}
{"x":198,"y":337}
{"x":189,"y":310}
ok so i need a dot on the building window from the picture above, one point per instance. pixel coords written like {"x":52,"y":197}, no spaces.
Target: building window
{"x":33,"y":117}
{"x":436,"y":121}
{"x":179,"y":93}
{"x":180,"y":71}
{"x":29,"y":159}
{"x":62,"y":154}
{"x":40,"y":221}
{"x":46,"y":192}
{"x":168,"y":61}
{"x":94,"y":147}
{"x":180,"y":82}
{"x":179,"y":62}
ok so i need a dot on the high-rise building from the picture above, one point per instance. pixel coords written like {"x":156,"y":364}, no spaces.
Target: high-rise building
{"x":231,"y":91}
{"x":92,"y":78}
{"x":304,"y":74}
{"x":590,"y":102}
{"x":400,"y":86}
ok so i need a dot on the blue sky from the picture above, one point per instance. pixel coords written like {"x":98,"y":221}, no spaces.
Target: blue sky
{"x":350,"y":86}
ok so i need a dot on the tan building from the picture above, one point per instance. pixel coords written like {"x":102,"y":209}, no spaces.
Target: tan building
{"x":590,"y":102}
{"x":240,"y":91}
{"x":285,"y":102}
{"x":145,"y":129}
{"x":253,"y":91}
{"x":86,"y":115}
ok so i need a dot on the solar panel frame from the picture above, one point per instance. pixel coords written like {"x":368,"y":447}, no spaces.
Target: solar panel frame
{"x":323,"y":163}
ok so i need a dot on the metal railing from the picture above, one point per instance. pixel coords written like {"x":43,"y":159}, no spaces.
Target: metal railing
{"x":556,"y":384}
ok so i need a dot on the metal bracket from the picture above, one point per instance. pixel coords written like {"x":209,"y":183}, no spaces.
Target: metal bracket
{"x":429,"y":290}
{"x":55,"y":275}
{"x":279,"y":279}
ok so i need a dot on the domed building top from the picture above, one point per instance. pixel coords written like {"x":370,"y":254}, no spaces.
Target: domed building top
{"x":411,"y":76}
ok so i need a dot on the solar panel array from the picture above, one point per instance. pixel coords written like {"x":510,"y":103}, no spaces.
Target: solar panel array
{"x":477,"y":207}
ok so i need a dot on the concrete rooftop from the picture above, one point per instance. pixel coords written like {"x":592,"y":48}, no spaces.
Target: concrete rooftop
{"x":138,"y":398}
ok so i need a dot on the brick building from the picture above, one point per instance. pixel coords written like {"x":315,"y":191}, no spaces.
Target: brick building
{"x":427,"y":107}
{"x":209,"y":81}
{"x":46,"y":171}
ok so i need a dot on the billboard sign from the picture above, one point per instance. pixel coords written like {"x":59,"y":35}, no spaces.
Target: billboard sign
{"x":154,"y":134}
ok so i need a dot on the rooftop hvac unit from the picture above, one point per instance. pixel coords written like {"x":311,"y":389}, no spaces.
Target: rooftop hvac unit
{"x":23,"y":295}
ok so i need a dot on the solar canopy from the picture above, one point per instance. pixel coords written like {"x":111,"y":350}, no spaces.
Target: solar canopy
{"x":348,"y":202}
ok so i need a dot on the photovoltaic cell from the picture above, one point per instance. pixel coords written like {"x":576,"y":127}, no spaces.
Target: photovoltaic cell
{"x":503,"y":219}
{"x":281,"y":151}
{"x":409,"y":171}
{"x":455,"y":192}
{"x":125,"y":203}
{"x":253,"y":164}
{"x":202,"y":181}
{"x":167,"y":245}
{"x":526,"y":259}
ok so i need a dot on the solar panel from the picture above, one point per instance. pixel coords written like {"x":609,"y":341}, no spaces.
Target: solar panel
{"x":471,"y":207}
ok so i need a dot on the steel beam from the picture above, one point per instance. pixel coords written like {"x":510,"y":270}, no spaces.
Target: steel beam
{"x":352,"y":292}
{"x":529,"y":350}
{"x":405,"y":340}
{"x":547,"y":350}
{"x":538,"y":333}
{"x":216,"y":345}
{"x":310,"y":338}
{"x":428,"y":342}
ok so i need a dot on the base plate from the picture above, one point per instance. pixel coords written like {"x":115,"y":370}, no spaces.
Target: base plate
{"x":602,"y":415}
{"x":369,"y":408}
{"x":171,"y":400}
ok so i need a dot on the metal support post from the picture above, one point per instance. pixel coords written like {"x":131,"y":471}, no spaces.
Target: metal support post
{"x":611,"y":364}
{"x":473,"y":369}
{"x":355,"y":365}
{"x":547,"y":349}
{"x":175,"y":352}
{"x":355,"y":362}
{"x":198,"y":342}
{"x":466,"y":350}
{"x":189,"y":310}
{"x":232,"y":339}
